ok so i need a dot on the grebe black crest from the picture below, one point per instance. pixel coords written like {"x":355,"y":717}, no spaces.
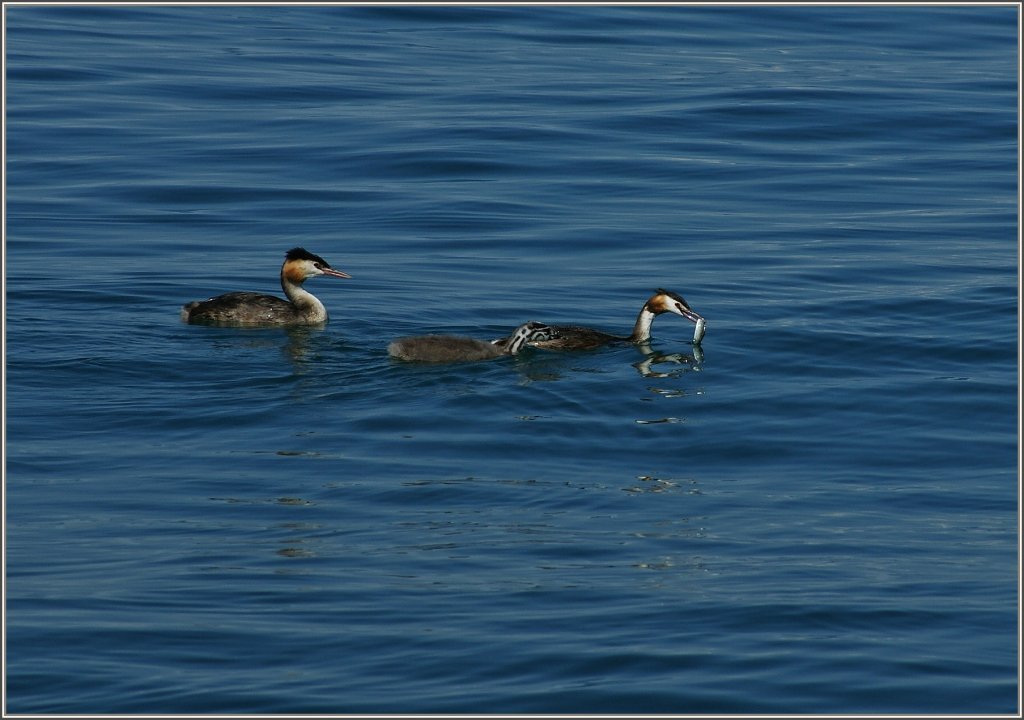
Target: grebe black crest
{"x":248,"y":308}
{"x":576,"y":337}
{"x":455,"y":348}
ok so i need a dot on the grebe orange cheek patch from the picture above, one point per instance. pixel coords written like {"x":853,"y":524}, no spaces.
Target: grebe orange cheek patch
{"x":294,"y":273}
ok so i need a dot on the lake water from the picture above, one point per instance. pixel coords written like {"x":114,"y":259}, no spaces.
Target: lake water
{"x":819,"y":514}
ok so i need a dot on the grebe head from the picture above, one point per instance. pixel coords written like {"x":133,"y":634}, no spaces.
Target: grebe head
{"x":664,"y":301}
{"x":532,"y":331}
{"x":300,"y":265}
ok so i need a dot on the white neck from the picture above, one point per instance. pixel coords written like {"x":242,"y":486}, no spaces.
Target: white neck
{"x":305,"y":302}
{"x":642,"y":327}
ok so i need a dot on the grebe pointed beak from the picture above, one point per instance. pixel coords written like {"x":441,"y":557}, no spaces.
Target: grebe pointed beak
{"x":683,"y":312}
{"x":691,"y":315}
{"x":337,"y":273}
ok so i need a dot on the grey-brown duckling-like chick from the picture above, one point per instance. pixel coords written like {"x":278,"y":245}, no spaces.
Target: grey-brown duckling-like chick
{"x":249,"y":308}
{"x":456,"y":348}
{"x":577,"y":337}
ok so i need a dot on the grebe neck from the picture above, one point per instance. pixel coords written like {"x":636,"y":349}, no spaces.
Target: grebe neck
{"x":306,"y":303}
{"x":642,"y":326}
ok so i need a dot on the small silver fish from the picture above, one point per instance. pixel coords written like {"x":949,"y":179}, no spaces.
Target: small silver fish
{"x":698,"y":332}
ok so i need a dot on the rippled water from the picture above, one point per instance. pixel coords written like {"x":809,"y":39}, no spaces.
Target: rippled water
{"x":817,"y":516}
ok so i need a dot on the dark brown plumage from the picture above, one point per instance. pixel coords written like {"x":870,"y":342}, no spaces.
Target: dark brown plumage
{"x":455,"y":348}
{"x":249,"y":308}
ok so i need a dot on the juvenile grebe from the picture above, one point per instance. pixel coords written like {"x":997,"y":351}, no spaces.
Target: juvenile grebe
{"x":249,"y":308}
{"x":454,"y":348}
{"x":575,"y":337}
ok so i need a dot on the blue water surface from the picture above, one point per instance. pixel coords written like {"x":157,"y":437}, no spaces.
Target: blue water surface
{"x":815,"y":514}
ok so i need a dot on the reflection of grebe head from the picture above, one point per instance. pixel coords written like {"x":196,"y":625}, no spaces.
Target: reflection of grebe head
{"x":300,"y":265}
{"x":528,"y":332}
{"x":664,"y":301}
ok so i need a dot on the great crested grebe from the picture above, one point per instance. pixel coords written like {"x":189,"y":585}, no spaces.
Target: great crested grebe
{"x":249,"y":308}
{"x":454,"y":348}
{"x":575,"y":337}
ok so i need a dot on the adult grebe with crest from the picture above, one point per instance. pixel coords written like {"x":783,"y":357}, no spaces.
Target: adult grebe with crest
{"x":577,"y":337}
{"x":249,"y":308}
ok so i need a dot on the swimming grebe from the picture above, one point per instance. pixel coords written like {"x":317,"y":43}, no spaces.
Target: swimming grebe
{"x":248,"y":308}
{"x":454,"y":348}
{"x":575,"y":337}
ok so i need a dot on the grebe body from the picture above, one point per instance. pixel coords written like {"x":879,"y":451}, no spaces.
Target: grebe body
{"x":249,"y":308}
{"x":455,"y":348}
{"x":577,"y":337}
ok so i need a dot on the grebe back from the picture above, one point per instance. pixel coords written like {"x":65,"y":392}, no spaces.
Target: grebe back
{"x":249,"y":308}
{"x":455,"y":348}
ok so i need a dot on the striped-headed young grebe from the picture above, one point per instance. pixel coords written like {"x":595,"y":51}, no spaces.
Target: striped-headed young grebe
{"x":575,"y":337}
{"x":249,"y":308}
{"x":455,"y":348}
